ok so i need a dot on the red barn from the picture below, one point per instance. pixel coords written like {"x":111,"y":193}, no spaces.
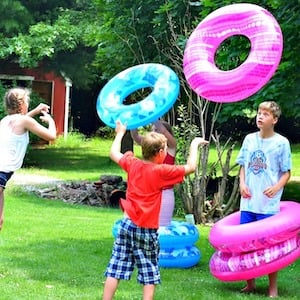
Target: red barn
{"x":54,"y":89}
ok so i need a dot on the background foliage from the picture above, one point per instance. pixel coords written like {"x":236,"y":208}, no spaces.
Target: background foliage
{"x":101,"y":38}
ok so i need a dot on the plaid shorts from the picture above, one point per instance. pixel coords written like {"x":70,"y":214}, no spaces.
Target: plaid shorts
{"x":135,"y":246}
{"x":4,"y":177}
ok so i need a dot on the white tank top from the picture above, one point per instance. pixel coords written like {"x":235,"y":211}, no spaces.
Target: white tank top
{"x":12,"y":146}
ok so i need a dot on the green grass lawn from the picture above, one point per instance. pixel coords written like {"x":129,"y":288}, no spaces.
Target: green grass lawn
{"x":52,"y":250}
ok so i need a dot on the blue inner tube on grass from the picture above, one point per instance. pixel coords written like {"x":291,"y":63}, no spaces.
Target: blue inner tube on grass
{"x":177,"y":235}
{"x":177,"y":244}
{"x":185,"y":257}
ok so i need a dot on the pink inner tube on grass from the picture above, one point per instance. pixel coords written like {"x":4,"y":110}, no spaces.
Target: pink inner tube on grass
{"x":228,"y":235}
{"x":245,"y":251}
{"x":249,"y":20}
{"x":245,"y":266}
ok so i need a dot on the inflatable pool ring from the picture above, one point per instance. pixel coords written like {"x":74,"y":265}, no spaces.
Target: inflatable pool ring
{"x":243,"y":266}
{"x":165,"y":89}
{"x":249,"y":20}
{"x":182,"y":258}
{"x":245,"y":251}
{"x":174,"y":235}
{"x":177,"y":244}
{"x":115,"y":229}
{"x":228,"y":235}
{"x":177,"y":234}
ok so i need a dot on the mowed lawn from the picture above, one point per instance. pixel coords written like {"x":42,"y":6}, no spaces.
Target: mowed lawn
{"x":55,"y":250}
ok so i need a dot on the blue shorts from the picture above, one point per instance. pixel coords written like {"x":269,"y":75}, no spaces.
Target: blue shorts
{"x":135,"y":246}
{"x":248,"y":217}
{"x":4,"y":177}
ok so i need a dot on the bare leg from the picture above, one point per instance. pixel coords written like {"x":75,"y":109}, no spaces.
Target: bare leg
{"x":148,"y":291}
{"x":250,"y":286}
{"x":1,"y":207}
{"x":273,"y":290}
{"x":110,"y":288}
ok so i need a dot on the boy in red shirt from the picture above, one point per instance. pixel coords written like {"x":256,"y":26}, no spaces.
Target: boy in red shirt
{"x":137,"y":240}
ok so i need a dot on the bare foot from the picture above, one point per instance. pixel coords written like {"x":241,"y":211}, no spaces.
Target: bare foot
{"x":273,"y":292}
{"x":248,"y":289}
{"x":273,"y":295}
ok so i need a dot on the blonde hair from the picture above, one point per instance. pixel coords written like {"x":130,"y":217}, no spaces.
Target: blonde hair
{"x":15,"y":98}
{"x":152,"y":143}
{"x":272,"y":107}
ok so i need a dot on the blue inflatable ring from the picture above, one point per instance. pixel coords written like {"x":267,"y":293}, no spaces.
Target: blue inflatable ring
{"x":116,"y":227}
{"x":162,"y":79}
{"x":185,"y":257}
{"x":177,"y":235}
{"x":177,"y":244}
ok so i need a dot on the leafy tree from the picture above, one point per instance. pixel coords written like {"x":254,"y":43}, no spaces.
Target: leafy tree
{"x":52,"y":34}
{"x":172,"y":24}
{"x":100,"y":38}
{"x":134,"y":32}
{"x":140,"y":31}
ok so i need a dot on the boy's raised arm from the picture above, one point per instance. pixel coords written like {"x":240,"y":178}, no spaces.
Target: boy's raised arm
{"x":115,"y":150}
{"x":191,"y":164}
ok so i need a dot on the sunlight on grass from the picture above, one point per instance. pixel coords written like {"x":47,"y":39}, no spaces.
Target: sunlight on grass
{"x":53,"y":250}
{"x":88,"y":160}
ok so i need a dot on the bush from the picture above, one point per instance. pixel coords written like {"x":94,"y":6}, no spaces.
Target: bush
{"x":73,"y":140}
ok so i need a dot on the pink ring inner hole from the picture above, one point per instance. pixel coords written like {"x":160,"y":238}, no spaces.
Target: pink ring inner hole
{"x":232,"y":52}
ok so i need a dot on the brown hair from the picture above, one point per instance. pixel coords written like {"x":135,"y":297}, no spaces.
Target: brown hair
{"x":272,"y":107}
{"x":15,"y":98}
{"x":152,"y":143}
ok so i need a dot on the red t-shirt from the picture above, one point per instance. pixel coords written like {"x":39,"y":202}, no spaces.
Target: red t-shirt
{"x":145,"y":183}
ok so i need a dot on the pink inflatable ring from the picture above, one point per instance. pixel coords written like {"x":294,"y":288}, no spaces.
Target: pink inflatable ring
{"x":228,"y":235}
{"x":243,"y":266}
{"x":245,"y":251}
{"x":265,"y":36}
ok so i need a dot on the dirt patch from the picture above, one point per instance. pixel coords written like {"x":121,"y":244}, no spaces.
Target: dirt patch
{"x":22,"y":179}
